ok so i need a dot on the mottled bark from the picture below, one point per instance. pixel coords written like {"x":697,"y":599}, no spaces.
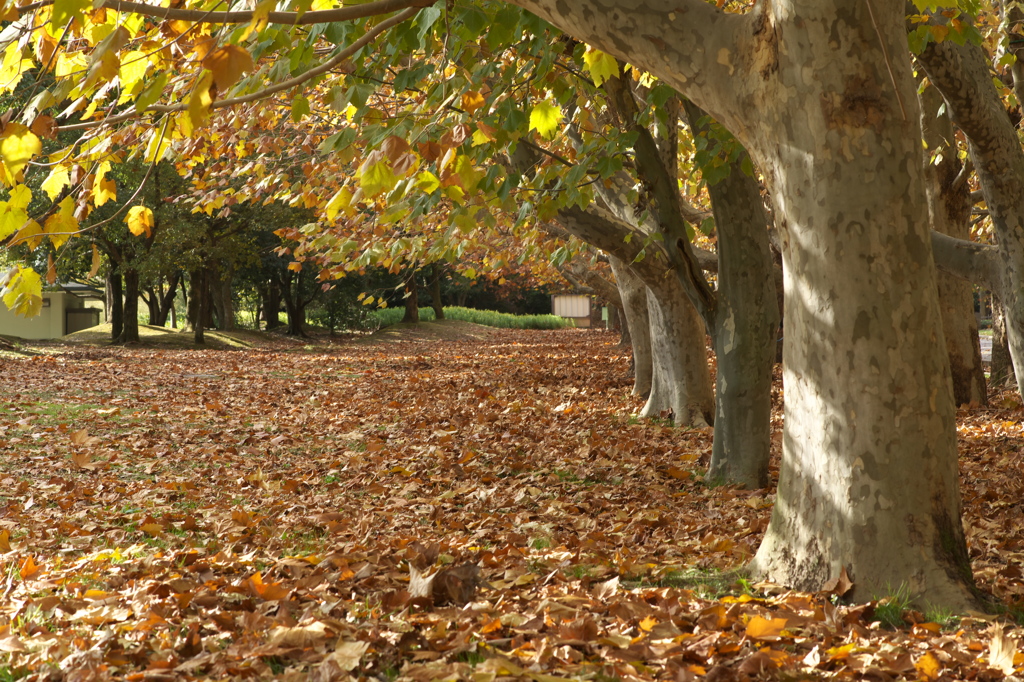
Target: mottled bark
{"x":633,"y":294}
{"x":1001,"y":369}
{"x":869,"y":468}
{"x":115,"y":301}
{"x":437,"y":272}
{"x":680,"y":383}
{"x":961,"y":73}
{"x":949,"y":202}
{"x":747,"y":325}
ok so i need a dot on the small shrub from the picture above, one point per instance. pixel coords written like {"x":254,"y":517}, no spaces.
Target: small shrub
{"x":489,"y":318}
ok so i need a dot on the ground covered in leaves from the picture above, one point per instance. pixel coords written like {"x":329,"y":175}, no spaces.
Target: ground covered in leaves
{"x":427,"y":509}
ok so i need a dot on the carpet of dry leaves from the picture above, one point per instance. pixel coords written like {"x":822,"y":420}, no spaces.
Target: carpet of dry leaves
{"x":425,"y":510}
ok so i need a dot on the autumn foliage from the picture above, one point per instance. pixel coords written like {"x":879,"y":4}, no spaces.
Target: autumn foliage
{"x":425,"y":509}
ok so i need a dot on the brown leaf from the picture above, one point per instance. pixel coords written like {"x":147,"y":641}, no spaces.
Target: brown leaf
{"x":839,"y":585}
{"x":301,"y":636}
{"x":1001,"y":650}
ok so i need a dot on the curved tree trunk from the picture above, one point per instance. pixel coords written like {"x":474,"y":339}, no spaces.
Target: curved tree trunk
{"x":681,"y":382}
{"x":634,"y":308}
{"x":949,"y":201}
{"x":199,"y":304}
{"x":961,"y":73}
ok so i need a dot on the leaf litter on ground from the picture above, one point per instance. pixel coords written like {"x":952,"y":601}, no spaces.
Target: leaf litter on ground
{"x":482,"y":509}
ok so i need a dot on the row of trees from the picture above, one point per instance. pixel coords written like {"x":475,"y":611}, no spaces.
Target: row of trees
{"x":481,"y":136}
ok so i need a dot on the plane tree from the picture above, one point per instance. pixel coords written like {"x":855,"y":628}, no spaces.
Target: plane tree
{"x":868,"y":481}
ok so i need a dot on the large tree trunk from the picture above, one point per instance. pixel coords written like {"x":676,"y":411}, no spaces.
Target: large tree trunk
{"x":272,"y":304}
{"x":681,"y":382}
{"x":747,"y":326}
{"x":198,"y":309}
{"x":1001,"y":369}
{"x":130,"y":328}
{"x":949,"y":200}
{"x":961,"y":73}
{"x":412,"y":299}
{"x":115,"y":301}
{"x":869,"y":468}
{"x":437,"y":272}
{"x":220,"y":295}
{"x":633,"y":294}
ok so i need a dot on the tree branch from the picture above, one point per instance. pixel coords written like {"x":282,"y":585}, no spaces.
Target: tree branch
{"x":266,"y":92}
{"x":244,"y":17}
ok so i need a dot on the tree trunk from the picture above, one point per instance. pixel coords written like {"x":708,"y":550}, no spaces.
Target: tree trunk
{"x":115,"y":301}
{"x":272,"y":304}
{"x":1001,"y":369}
{"x":130,"y":328}
{"x":412,"y":300}
{"x":151,"y":297}
{"x":681,"y":382}
{"x":220,"y":295}
{"x":634,"y":307}
{"x":747,"y":326}
{"x":199,"y":303}
{"x":869,"y":468}
{"x":437,"y":270}
{"x":961,"y":73}
{"x":949,"y":201}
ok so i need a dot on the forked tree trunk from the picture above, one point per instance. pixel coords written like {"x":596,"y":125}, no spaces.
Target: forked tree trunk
{"x":634,"y":307}
{"x":680,"y":383}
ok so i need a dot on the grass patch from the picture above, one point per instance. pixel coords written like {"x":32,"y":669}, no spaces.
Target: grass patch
{"x":890,"y":609}
{"x":388,"y":316}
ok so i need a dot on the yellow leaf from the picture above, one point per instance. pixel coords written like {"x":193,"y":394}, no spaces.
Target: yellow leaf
{"x":227,"y":64}
{"x":97,"y":261}
{"x":31,"y":233}
{"x":763,"y":628}
{"x":341,"y":202}
{"x":13,"y":67}
{"x":18,"y":146}
{"x":601,"y":65}
{"x":134,"y":66}
{"x":103,"y":190}
{"x":61,"y":225}
{"x":56,"y":181}
{"x":648,"y":623}
{"x":21,"y":197}
{"x":295,"y":266}
{"x":545,"y":119}
{"x":200,"y":101}
{"x":140,"y":221}
{"x":5,"y":540}
{"x":928,"y":666}
{"x":28,"y":568}
{"x":472,"y":100}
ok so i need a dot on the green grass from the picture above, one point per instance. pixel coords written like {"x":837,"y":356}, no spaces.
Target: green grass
{"x":890,"y":609}
{"x":489,"y":318}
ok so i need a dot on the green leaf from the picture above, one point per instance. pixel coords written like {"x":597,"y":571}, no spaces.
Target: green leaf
{"x":545,"y":118}
{"x":66,"y":10}
{"x":376,"y":176}
{"x":151,"y":93}
{"x":427,"y":182}
{"x":300,"y":108}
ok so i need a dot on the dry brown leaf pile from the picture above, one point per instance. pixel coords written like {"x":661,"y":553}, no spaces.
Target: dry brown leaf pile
{"x":481,"y":510}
